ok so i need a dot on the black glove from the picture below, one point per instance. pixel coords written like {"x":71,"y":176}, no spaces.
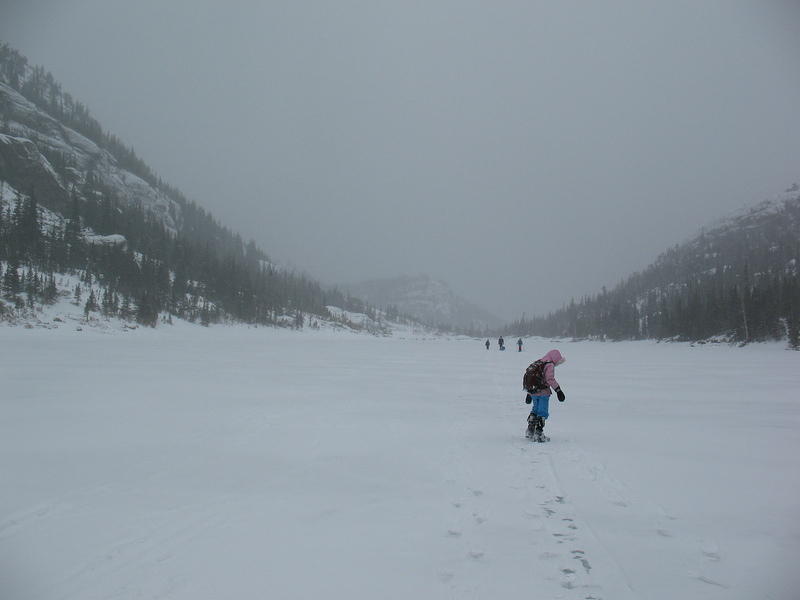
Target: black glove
{"x":560,"y":394}
{"x":527,"y":398}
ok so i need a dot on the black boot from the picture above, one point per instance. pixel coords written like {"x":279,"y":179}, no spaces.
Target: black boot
{"x":531,"y":432}
{"x":539,"y":435}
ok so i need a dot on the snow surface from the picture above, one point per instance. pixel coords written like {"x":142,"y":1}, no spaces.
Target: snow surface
{"x":234,"y":462}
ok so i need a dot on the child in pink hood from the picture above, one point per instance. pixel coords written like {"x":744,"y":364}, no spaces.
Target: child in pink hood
{"x":539,"y":396}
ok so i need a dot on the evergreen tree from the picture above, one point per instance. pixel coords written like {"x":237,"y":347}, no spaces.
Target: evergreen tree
{"x":108,"y":302}
{"x":147,"y":311}
{"x":11,"y":279}
{"x":793,"y":326}
{"x":72,"y":236}
{"x":50,"y":293}
{"x":91,"y":304}
{"x":125,"y":311}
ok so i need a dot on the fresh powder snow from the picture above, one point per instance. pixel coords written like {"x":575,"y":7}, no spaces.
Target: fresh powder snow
{"x":190,"y":463}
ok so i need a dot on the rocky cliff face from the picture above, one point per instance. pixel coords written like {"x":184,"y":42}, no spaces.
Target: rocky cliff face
{"x":40,"y":155}
{"x":25,"y":168}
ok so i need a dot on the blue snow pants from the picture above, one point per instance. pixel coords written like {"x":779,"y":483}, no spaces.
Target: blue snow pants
{"x":539,"y":406}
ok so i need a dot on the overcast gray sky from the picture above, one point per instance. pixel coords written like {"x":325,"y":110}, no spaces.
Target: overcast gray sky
{"x":523,"y":151}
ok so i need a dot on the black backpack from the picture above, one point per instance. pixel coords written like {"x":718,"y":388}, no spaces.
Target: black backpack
{"x":534,"y":376}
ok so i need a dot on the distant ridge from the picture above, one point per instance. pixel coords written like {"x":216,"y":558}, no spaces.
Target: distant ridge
{"x":427,"y":299}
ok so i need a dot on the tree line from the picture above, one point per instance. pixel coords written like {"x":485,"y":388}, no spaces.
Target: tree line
{"x":150,"y":269}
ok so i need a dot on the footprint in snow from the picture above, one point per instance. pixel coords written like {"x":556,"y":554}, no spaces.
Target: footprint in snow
{"x":711,"y":551}
{"x":663,"y":533}
{"x":562,"y":537}
{"x":571,"y":524}
{"x":568,"y":582}
{"x":579,"y":556}
{"x":705,"y":579}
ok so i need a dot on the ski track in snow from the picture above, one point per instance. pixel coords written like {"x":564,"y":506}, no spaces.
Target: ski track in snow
{"x":227,"y":473}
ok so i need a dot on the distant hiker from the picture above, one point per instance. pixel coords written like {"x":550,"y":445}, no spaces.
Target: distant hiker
{"x":538,"y":379}
{"x":487,"y":344}
{"x":501,"y":343}
{"x":519,"y":344}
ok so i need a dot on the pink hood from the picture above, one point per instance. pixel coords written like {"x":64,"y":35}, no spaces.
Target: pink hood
{"x":554,"y":356}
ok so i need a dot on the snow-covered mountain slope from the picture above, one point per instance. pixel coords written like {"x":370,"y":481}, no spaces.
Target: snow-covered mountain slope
{"x":765,"y":235}
{"x":737,"y":280}
{"x":83,"y":303}
{"x":191,"y":464}
{"x":143,"y":241}
{"x":424,"y":298}
{"x":68,"y":312}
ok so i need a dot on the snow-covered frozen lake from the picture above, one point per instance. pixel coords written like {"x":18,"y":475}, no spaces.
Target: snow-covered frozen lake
{"x":190,"y":463}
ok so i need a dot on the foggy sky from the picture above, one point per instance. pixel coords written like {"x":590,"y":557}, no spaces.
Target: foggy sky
{"x":525,"y":152}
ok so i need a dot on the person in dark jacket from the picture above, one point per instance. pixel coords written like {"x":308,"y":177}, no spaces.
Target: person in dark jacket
{"x":487,"y":344}
{"x":501,"y":343}
{"x":539,"y":398}
{"x":519,"y":344}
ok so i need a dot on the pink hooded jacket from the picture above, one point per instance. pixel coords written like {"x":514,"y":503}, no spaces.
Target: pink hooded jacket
{"x":552,"y":358}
